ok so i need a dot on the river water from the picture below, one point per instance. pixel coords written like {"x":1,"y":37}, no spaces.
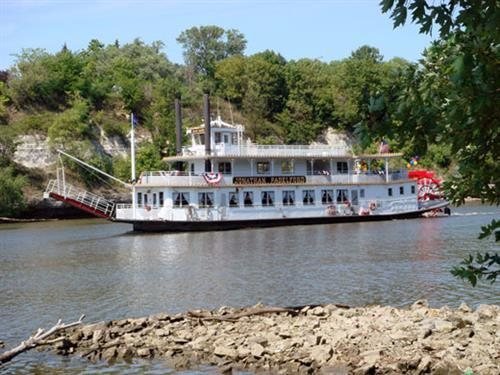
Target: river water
{"x":62,"y":269}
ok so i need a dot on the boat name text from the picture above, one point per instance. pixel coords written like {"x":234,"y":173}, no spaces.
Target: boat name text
{"x":284,"y":180}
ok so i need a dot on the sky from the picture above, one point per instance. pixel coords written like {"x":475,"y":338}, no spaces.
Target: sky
{"x":318,"y":29}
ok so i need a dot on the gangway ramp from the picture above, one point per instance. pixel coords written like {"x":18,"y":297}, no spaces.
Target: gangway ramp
{"x":80,"y":199}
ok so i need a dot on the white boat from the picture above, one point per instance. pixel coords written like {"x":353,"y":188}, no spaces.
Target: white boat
{"x":224,"y":181}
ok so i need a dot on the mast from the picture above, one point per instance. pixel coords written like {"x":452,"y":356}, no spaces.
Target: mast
{"x":132,"y":163}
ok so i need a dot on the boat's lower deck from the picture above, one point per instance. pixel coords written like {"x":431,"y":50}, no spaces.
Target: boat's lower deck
{"x":210,"y":225}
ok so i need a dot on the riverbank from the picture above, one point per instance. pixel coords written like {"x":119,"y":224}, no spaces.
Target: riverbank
{"x":311,"y":339}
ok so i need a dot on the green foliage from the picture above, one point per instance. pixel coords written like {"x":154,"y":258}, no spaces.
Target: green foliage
{"x":461,"y":75}
{"x":122,"y":168}
{"x":111,"y":125}
{"x":485,"y":266}
{"x":72,"y":124}
{"x":42,"y":80}
{"x":149,"y":158}
{"x":4,"y":102}
{"x":204,"y":46}
{"x":456,"y":91}
{"x":12,"y":200}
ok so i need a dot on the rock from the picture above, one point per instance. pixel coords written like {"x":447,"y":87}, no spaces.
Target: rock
{"x":256,"y":349}
{"x":424,"y":365}
{"x":97,"y":335}
{"x":124,"y":353}
{"x":258,"y":340}
{"x":2,"y":344}
{"x":321,"y":354}
{"x":487,"y":311}
{"x":421,"y":303}
{"x":224,"y":351}
{"x":441,"y":325}
{"x":144,"y":352}
{"x":317,"y":311}
{"x":109,"y":354}
{"x":464,"y":308}
{"x":88,"y":330}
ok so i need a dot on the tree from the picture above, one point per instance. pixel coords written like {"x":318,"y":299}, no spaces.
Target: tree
{"x":309,"y":105}
{"x":11,"y":194}
{"x":204,"y":46}
{"x":461,"y":73}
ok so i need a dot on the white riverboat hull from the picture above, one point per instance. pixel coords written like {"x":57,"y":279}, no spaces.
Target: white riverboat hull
{"x":211,"y":225}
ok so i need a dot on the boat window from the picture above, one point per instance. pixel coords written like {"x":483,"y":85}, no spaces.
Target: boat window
{"x":233,"y":199}
{"x":139,"y":199}
{"x":288,"y":198}
{"x":248,"y":199}
{"x":192,"y":168}
{"x":180,"y":199}
{"x":287,"y":167}
{"x":225,"y":167}
{"x":309,"y":167}
{"x":308,"y":197}
{"x":267,"y":198}
{"x":342,"y":167}
{"x":217,"y":137}
{"x":154,"y":199}
{"x":342,"y":196}
{"x":322,"y":167}
{"x":389,"y":192}
{"x":354,"y":197}
{"x":161,"y":198}
{"x":413,"y":189}
{"x":361,"y":193}
{"x":202,"y":139}
{"x":234,"y":138}
{"x":263,"y":167}
{"x":146,"y":199}
{"x":326,"y":196}
{"x":401,"y":190}
{"x":206,"y":199}
{"x":226,"y":138}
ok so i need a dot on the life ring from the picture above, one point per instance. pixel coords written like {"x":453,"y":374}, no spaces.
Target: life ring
{"x":347,"y":204}
{"x":331,"y":210}
{"x":373,"y":206}
{"x":148,"y":208}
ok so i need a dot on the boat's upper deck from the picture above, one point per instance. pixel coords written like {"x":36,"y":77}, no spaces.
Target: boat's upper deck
{"x":227,"y":142}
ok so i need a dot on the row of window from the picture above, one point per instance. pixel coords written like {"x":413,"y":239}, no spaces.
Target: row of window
{"x":287,"y":167}
{"x":267,"y":198}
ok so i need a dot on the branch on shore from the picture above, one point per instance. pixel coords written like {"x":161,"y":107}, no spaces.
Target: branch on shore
{"x":38,"y":339}
{"x":236,"y":316}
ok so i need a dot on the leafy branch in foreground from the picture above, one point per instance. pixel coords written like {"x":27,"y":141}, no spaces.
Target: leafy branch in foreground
{"x":484,"y":265}
{"x":474,"y":270}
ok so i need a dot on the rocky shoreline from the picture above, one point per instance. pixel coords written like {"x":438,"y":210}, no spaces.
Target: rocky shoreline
{"x":332,"y":339}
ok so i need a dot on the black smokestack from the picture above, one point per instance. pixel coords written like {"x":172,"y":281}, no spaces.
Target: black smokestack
{"x":178,"y":127}
{"x":206,"y":115}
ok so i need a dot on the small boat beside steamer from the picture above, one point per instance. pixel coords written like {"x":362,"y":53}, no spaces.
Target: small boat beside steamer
{"x":223,"y":181}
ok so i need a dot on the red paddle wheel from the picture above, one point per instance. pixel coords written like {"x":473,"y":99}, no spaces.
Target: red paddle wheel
{"x":428,"y":185}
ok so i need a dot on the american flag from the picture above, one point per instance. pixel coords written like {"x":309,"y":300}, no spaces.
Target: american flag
{"x":383,"y":148}
{"x":135,"y":120}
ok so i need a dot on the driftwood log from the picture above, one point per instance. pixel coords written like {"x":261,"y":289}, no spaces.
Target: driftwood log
{"x":38,"y":339}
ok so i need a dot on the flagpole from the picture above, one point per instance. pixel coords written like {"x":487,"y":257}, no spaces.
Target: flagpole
{"x":132,"y":162}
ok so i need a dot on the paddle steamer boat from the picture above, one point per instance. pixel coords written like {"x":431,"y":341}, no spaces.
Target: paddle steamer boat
{"x":224,"y":181}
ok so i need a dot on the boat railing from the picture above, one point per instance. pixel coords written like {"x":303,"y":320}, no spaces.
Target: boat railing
{"x":249,"y":150}
{"x":89,"y":200}
{"x":181,"y":178}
